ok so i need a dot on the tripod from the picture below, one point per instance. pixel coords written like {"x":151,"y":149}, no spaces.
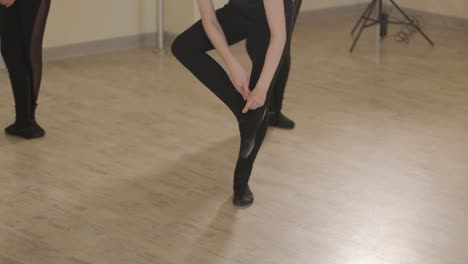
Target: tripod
{"x":366,"y":20}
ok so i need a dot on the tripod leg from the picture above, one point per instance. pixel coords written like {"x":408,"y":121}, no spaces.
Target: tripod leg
{"x":363,"y":16}
{"x":369,"y":12}
{"x":412,"y":23}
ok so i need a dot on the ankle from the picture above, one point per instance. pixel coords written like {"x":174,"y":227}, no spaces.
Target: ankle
{"x":243,"y":197}
{"x":23,"y":123}
{"x":278,"y":119}
{"x":27,"y":131}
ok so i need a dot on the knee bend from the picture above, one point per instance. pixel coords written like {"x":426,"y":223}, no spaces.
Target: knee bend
{"x":179,"y":48}
{"x":4,"y":53}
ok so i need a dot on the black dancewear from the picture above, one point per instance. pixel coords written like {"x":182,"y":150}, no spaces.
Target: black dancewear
{"x":240,"y":20}
{"x":21,"y":32}
{"x":277,"y":93}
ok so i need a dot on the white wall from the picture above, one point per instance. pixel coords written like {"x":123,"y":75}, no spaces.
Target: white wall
{"x":179,"y":15}
{"x":75,"y":21}
{"x":307,"y":5}
{"x":455,"y":8}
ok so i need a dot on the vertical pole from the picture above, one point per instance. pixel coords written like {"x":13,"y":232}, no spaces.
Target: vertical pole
{"x":160,"y":24}
{"x":381,"y":7}
{"x":380,"y":18}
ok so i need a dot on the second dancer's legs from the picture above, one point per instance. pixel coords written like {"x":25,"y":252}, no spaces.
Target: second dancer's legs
{"x":14,"y":54}
{"x":22,"y":28}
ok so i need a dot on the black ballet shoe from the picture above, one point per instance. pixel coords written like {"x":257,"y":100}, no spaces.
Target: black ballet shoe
{"x":243,"y":199}
{"x":248,"y":127}
{"x":277,"y":119}
{"x":30,"y":131}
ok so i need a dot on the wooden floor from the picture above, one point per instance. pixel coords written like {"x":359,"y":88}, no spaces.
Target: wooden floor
{"x":137,"y":164}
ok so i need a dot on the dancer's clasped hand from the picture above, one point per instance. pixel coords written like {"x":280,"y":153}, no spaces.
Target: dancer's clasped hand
{"x":255,"y":100}
{"x":7,"y":3}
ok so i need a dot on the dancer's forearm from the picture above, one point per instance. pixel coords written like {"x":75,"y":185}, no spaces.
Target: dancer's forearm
{"x":278,"y":35}
{"x":7,"y":3}
{"x":277,"y":23}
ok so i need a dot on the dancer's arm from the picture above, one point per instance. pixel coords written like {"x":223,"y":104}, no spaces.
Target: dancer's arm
{"x":218,"y":39}
{"x":277,"y":22}
{"x":7,"y":3}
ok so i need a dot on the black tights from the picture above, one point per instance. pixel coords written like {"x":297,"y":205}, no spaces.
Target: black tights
{"x":277,"y":93}
{"x":239,"y":22}
{"x":21,"y":32}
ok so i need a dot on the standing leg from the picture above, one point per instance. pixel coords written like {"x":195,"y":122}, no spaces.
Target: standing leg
{"x":277,"y":119}
{"x":257,"y":44}
{"x":22,"y":51}
{"x":15,"y":57}
{"x":276,"y":103}
{"x":34,"y":17}
{"x":276,"y":100}
{"x":242,"y":194}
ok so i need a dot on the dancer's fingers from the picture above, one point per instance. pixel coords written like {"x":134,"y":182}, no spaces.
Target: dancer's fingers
{"x":248,"y":106}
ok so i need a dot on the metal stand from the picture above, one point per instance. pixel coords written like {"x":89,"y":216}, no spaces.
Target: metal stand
{"x":366,"y":20}
{"x":160,"y":27}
